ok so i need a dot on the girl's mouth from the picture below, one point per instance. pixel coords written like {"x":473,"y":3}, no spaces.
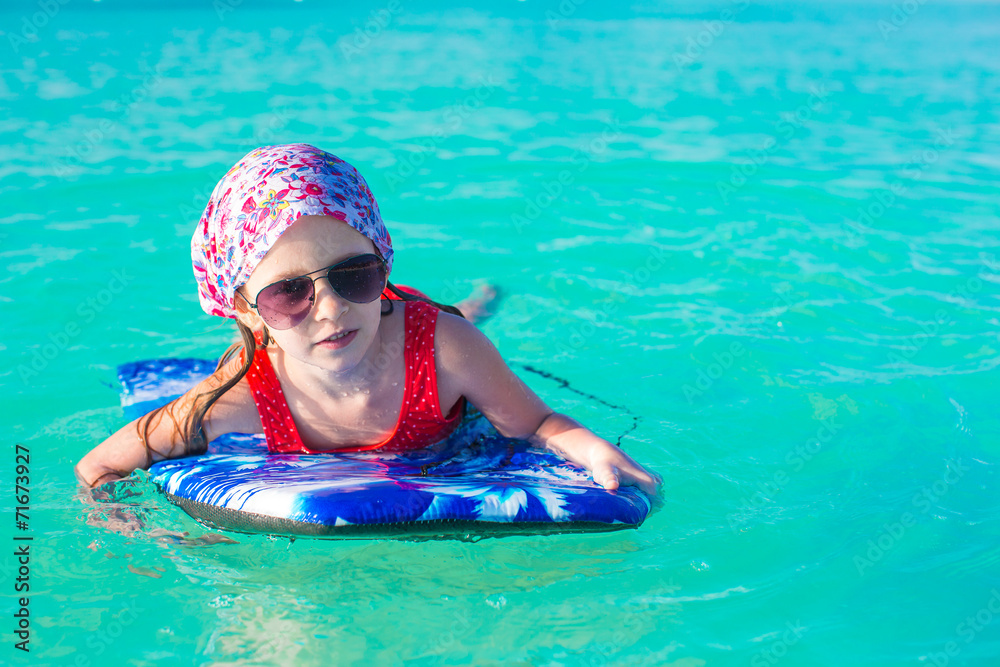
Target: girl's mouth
{"x":337,"y":342}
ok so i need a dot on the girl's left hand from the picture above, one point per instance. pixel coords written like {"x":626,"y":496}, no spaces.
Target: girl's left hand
{"x":611,"y":468}
{"x":469,"y":365}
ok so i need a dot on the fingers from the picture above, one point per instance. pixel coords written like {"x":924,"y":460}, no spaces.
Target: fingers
{"x":652,"y":486}
{"x":648,"y":483}
{"x":612,"y":468}
{"x":607,"y":476}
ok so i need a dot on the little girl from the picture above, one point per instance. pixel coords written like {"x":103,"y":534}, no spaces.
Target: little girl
{"x":292,"y":246}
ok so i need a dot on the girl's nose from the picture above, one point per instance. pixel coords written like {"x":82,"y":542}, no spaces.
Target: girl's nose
{"x":327,"y":304}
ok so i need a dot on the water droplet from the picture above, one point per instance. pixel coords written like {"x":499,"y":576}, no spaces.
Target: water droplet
{"x":394,"y":384}
{"x":497,"y":601}
{"x":366,"y":392}
{"x":344,"y":393}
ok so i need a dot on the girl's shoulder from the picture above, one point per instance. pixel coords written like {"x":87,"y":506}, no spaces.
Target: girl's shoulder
{"x":458,"y":346}
{"x":452,"y":333}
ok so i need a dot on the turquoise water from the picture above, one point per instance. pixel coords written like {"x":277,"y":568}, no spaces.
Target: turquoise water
{"x":771,"y":233}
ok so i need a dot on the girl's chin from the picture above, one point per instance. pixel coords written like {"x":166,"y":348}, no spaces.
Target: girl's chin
{"x":334,"y":362}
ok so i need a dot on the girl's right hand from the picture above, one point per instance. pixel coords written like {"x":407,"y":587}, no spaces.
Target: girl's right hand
{"x":104,"y":512}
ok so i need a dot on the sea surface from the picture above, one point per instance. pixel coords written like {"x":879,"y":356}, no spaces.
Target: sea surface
{"x":767,"y":231}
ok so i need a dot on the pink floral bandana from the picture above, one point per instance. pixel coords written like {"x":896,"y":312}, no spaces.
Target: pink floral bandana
{"x":258,"y":199}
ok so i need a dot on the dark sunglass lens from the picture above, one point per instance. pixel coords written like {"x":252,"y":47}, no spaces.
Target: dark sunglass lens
{"x":286,"y":303}
{"x":359,"y":279}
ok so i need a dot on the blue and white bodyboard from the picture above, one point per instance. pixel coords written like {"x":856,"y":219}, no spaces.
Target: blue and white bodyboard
{"x":476,"y":483}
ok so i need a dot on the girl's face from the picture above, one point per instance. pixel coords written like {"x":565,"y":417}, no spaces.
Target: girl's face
{"x":311,"y":243}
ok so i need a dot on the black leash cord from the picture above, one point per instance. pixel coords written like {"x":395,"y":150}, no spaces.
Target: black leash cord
{"x":565,"y":384}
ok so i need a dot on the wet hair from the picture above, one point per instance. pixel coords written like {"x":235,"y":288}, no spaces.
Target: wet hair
{"x":192,"y":430}
{"x":406,"y":296}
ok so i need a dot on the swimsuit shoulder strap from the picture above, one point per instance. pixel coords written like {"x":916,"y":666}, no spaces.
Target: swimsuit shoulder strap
{"x":423,"y":424}
{"x":279,"y":428}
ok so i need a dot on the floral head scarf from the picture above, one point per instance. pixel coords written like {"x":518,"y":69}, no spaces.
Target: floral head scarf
{"x":258,"y":199}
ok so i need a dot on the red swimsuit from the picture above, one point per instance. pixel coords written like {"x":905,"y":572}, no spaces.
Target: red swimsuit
{"x":420,"y":422}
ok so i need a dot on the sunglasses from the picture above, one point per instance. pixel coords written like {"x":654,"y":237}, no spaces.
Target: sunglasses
{"x":284,"y":304}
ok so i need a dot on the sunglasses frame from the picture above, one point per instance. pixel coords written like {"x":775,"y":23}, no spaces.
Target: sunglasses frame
{"x":326,"y":274}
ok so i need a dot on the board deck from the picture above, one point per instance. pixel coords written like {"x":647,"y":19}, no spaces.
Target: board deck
{"x":476,"y":482}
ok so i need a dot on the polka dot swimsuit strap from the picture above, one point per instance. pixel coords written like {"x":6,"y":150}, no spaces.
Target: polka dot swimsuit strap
{"x":423,"y":423}
{"x":279,"y":428}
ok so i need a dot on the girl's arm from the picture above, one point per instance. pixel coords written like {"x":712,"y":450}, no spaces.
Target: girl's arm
{"x":117,"y":457}
{"x":123,"y":452}
{"x":468,"y":360}
{"x":608,"y":464}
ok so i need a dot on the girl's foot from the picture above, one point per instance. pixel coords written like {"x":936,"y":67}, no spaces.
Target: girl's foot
{"x":480,"y":305}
